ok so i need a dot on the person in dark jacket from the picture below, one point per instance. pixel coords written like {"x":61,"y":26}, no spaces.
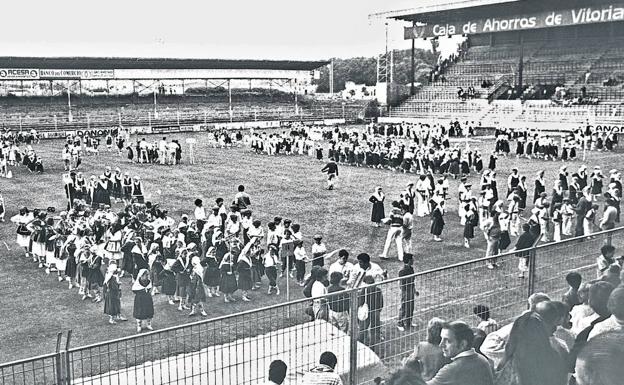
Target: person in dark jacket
{"x":143,"y":310}
{"x":370,"y":297}
{"x":524,"y":242}
{"x":331,"y":169}
{"x":407,"y":293}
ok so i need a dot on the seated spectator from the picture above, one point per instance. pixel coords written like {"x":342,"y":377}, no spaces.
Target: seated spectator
{"x":599,"y":293}
{"x":580,"y":311}
{"x":530,"y":356}
{"x":615,"y":305}
{"x":323,"y":373}
{"x":571,"y":297}
{"x":605,"y":259}
{"x":428,"y":352}
{"x":494,"y":345}
{"x":612,"y":275}
{"x":487,"y":324}
{"x":409,"y":374}
{"x":466,"y":366}
{"x":600,"y":361}
{"x":277,"y":373}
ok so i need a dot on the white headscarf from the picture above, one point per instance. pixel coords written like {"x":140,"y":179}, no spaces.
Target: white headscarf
{"x":110,"y":272}
{"x":137,"y":284}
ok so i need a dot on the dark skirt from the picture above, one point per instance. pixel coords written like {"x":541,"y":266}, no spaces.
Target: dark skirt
{"x":212,"y":276}
{"x":112,"y":300}
{"x":437,"y":225}
{"x":95,"y":276}
{"x":378,"y":212}
{"x":504,"y":241}
{"x":143,"y":305}
{"x":228,"y":283}
{"x":244,"y":278}
{"x":197,"y":293}
{"x":167,"y":282}
{"x":71,"y":268}
{"x":468,"y":231}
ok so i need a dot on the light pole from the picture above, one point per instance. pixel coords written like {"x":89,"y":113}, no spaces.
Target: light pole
{"x":70,"y":118}
{"x":155,"y":106}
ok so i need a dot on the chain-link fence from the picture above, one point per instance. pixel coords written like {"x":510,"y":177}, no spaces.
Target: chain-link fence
{"x":371,"y":329}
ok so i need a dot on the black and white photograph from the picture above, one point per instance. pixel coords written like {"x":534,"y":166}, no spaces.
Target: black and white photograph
{"x":422,"y":192}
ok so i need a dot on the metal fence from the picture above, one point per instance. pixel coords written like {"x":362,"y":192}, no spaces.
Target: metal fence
{"x":238,"y":348}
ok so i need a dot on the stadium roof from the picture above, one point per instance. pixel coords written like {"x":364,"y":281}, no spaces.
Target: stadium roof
{"x":105,"y":63}
{"x":441,"y":11}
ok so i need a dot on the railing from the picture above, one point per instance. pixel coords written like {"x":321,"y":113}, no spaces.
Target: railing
{"x":176,"y":117}
{"x":238,"y":348}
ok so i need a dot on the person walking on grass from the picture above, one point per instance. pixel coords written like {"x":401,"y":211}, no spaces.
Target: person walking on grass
{"x":112,"y":295}
{"x":331,"y":168}
{"x":377,"y":199}
{"x":143,"y":310}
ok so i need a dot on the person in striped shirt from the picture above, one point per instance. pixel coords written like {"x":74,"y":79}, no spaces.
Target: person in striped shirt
{"x":324,"y":373}
{"x":487,"y":324}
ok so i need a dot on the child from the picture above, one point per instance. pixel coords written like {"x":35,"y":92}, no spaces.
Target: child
{"x":300,"y":262}
{"x":287,"y":252}
{"x":270,"y":269}
{"x":544,"y":221}
{"x":470,"y":220}
{"x":589,"y":220}
{"x":567,"y":213}
{"x":605,"y":259}
{"x":197,"y":294}
{"x":143,"y":303}
{"x":167,"y":281}
{"x":557,"y":219}
{"x":212,"y":276}
{"x":571,"y":297}
{"x":112,"y":295}
{"x":245,"y":279}
{"x":487,"y":324}
{"x":228,"y":283}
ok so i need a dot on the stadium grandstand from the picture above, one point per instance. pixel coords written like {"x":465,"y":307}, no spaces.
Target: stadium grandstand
{"x":91,"y":92}
{"x":529,"y":62}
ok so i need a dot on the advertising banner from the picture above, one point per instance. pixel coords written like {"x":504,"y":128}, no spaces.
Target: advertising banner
{"x":77,"y":74}
{"x":606,"y":128}
{"x":98,"y":132}
{"x":531,"y":20}
{"x":19,"y":74}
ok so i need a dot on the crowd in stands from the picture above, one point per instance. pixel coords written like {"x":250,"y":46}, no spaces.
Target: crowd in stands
{"x":470,"y":93}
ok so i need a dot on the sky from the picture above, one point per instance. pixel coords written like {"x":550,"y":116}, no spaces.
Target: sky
{"x":230,"y":29}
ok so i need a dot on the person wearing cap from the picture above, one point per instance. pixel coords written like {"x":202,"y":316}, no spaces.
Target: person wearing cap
{"x":319,"y":250}
{"x":377,"y":199}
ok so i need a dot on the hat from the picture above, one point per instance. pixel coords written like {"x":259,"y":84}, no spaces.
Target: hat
{"x":613,"y":171}
{"x":317,"y":236}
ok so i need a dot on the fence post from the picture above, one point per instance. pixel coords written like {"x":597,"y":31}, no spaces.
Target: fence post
{"x":57,"y":359}
{"x":609,"y":239}
{"x":532,"y":271}
{"x":68,"y":372}
{"x":354,"y":331}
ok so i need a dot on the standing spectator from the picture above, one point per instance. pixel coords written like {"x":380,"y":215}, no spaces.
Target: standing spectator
{"x":342,"y":265}
{"x":200,"y":215}
{"x":319,"y":289}
{"x":487,"y":324}
{"x":429,"y":353}
{"x":365,"y":268}
{"x":277,"y":373}
{"x":324,"y":373}
{"x":615,"y":305}
{"x":318,"y":251}
{"x":523,"y":244}
{"x":339,"y":303}
{"x":407,"y":293}
{"x":599,"y":362}
{"x":609,"y":215}
{"x":466,"y":366}
{"x":529,"y":355}
{"x":571,"y":297}
{"x":377,"y":199}
{"x":394,"y":232}
{"x":369,"y":313}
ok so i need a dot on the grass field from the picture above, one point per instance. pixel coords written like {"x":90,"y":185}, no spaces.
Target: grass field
{"x":35,"y":306}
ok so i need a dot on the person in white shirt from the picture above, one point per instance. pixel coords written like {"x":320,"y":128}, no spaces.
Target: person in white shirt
{"x":162,"y":150}
{"x":615,"y":305}
{"x":342,"y":265}
{"x":318,"y":251}
{"x":200,"y":215}
{"x":300,"y":262}
{"x":363,"y":268}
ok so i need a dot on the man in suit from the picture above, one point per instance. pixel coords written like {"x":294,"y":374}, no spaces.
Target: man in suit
{"x":467,"y":367}
{"x":582,"y":207}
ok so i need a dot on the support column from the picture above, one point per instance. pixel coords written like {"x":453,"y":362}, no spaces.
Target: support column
{"x":413,"y":67}
{"x":230,"y":99}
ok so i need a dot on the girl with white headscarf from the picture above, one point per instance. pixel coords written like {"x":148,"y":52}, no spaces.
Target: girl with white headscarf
{"x":112,"y":295}
{"x":197,"y":294}
{"x":143,"y":303}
